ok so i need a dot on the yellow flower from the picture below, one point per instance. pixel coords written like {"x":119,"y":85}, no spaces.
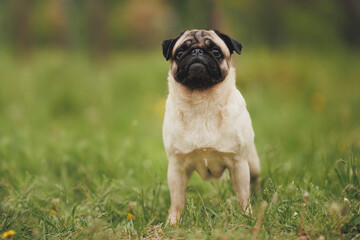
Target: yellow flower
{"x":52,"y":212}
{"x":130,"y":216}
{"x":8,"y":234}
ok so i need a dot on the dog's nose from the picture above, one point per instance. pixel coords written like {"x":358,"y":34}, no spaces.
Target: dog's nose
{"x":197,"y":52}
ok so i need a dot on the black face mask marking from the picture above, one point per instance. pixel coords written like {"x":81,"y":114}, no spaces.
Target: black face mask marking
{"x":198,"y":68}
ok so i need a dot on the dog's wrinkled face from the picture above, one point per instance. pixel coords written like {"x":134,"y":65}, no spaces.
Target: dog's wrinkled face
{"x":200,"y":59}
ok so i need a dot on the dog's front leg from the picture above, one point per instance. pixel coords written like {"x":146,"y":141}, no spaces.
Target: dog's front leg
{"x":177,"y":181}
{"x":240,"y":178}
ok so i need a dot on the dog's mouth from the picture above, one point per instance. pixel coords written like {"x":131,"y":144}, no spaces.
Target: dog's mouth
{"x":197,"y":64}
{"x":195,"y":67}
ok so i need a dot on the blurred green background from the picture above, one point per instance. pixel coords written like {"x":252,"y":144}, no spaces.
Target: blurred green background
{"x":82,"y":93}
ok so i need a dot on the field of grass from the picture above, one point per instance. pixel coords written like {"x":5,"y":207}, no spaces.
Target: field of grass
{"x":81,"y":154}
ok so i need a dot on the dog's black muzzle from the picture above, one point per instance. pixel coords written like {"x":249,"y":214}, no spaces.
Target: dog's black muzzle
{"x":198,"y":70}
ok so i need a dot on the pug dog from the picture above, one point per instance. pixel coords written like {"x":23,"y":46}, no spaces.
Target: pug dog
{"x":207,"y":127}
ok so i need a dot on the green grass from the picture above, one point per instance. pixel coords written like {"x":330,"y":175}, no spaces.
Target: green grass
{"x":83,"y":138}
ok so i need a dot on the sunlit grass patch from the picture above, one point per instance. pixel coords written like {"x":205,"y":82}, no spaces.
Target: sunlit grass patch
{"x":81,"y":152}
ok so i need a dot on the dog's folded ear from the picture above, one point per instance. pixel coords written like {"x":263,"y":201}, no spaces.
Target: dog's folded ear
{"x":168,"y":45}
{"x":231,"y":43}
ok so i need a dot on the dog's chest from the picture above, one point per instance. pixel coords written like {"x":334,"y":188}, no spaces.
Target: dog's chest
{"x":205,"y":129}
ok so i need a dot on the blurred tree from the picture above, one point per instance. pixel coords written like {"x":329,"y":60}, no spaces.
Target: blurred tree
{"x":350,"y":25}
{"x":58,"y":21}
{"x":97,"y":26}
{"x":193,"y":14}
{"x":217,"y":20}
{"x":20,"y":15}
{"x":145,"y":22}
{"x":5,"y":23}
{"x":312,"y":24}
{"x":115,"y":24}
{"x":49,"y":23}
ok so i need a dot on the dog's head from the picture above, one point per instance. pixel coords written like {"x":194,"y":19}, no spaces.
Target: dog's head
{"x":200,"y":59}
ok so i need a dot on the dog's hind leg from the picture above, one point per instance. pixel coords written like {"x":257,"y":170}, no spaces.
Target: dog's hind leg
{"x":254,"y":163}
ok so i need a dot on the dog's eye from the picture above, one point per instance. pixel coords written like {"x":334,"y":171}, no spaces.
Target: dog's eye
{"x":216,"y":52}
{"x":179,"y":53}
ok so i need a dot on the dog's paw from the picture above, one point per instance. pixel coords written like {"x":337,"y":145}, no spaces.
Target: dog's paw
{"x":172,"y":220}
{"x":248,"y":210}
